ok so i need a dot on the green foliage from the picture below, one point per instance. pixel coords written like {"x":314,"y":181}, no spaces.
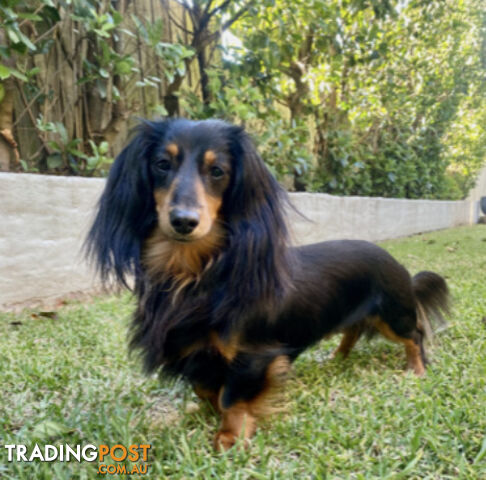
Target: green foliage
{"x":375,"y":89}
{"x":102,"y":67}
{"x":13,"y":15}
{"x":235,"y":98}
{"x":172,"y":54}
{"x":19,"y":42}
{"x":349,"y":97}
{"x":65,"y":155}
{"x":104,"y":62}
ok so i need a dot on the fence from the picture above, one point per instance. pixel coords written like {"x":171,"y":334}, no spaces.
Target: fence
{"x":44,"y":220}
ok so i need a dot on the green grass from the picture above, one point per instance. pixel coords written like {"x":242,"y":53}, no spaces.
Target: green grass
{"x":69,"y":380}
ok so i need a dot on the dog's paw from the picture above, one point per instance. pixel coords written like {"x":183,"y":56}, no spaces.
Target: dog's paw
{"x":224,"y":441}
{"x":338,"y":354}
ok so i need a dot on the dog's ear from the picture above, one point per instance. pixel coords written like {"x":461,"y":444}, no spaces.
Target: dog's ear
{"x":126,"y":210}
{"x":254,"y":210}
{"x":253,"y":186}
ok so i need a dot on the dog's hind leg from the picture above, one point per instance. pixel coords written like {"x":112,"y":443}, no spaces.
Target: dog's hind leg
{"x":412,"y":343}
{"x":350,"y":336}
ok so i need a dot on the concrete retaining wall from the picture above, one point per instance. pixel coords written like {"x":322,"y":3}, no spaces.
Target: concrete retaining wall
{"x":477,"y":192}
{"x":44,"y":219}
{"x":373,"y":218}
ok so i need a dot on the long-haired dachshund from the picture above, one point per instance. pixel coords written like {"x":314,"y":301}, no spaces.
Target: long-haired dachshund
{"x":193,"y":216}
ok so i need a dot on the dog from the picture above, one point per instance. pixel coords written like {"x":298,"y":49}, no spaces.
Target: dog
{"x":193,"y":220}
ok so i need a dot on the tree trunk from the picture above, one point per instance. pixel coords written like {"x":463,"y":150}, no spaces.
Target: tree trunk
{"x":206,"y":94}
{"x":8,"y":146}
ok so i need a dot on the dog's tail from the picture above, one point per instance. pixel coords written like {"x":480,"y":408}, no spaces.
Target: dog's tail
{"x":432,"y":299}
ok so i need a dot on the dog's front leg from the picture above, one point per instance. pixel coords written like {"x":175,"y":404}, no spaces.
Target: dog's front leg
{"x":209,"y":395}
{"x":247,"y":394}
{"x":237,"y":422}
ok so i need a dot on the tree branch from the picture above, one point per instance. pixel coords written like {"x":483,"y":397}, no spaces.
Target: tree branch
{"x":207,"y":7}
{"x":219,"y":8}
{"x":177,"y":24}
{"x":237,"y":15}
{"x":203,"y":42}
{"x":31,"y":115}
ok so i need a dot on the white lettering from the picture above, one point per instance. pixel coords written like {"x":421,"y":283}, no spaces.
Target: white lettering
{"x":93,"y":455}
{"x":21,"y":449}
{"x":10,"y":449}
{"x":36,"y":453}
{"x":53,"y":449}
{"x":75,"y":453}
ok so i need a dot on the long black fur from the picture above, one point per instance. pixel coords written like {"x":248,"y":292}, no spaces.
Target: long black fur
{"x":276,"y":299}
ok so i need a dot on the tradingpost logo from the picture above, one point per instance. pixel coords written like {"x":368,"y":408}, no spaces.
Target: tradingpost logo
{"x":110,"y":458}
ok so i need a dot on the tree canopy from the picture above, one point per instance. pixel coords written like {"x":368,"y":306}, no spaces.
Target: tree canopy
{"x":352,"y":97}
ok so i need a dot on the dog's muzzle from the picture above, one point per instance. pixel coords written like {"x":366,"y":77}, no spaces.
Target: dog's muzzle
{"x":183,"y":221}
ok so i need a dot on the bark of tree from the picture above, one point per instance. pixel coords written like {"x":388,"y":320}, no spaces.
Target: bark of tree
{"x":8,"y":146}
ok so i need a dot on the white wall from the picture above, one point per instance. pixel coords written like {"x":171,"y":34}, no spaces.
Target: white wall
{"x":477,"y":192}
{"x":44,"y":219}
{"x":372,"y":218}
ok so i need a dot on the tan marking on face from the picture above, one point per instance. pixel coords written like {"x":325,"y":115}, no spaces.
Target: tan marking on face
{"x":209,"y":209}
{"x":164,"y":257}
{"x":213,"y":205}
{"x":162,"y":198}
{"x":209,"y":157}
{"x":173,"y":149}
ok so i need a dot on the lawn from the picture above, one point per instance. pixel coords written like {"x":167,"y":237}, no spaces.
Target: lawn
{"x":66,"y":378}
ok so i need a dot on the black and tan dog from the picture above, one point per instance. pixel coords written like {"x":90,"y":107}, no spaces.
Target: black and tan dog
{"x":191,"y":211}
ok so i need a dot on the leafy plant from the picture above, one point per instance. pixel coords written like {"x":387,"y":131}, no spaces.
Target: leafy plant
{"x":377,"y":85}
{"x":65,"y":155}
{"x":343,"y":96}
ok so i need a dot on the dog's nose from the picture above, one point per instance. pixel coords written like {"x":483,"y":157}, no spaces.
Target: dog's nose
{"x":184,"y":221}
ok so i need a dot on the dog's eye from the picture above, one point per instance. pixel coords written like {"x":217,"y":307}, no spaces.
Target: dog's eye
{"x":163,"y":165}
{"x":216,"y":172}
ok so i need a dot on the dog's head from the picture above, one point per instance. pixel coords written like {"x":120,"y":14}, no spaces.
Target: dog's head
{"x":191,"y":170}
{"x":191,"y":188}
